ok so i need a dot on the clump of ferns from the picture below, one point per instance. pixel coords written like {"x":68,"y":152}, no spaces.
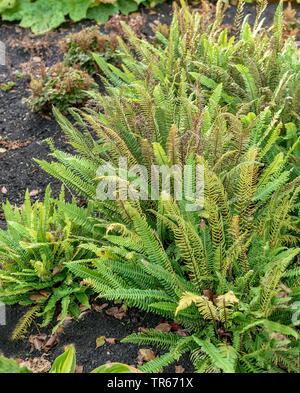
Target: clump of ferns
{"x":228,"y":273}
{"x":40,"y":237}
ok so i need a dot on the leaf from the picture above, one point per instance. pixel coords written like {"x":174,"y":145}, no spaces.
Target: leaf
{"x":102,"y":12}
{"x":7,"y":4}
{"x":10,"y":366}
{"x":145,"y":355}
{"x":111,"y":341}
{"x":116,"y":312}
{"x":163,"y":327}
{"x":77,"y":9}
{"x":37,"y":365}
{"x":215,"y":354}
{"x":100,"y":341}
{"x":127,"y":6}
{"x":65,"y":363}
{"x":274,"y":327}
{"x":179,"y":369}
{"x":34,"y":193}
{"x":43,"y":15}
{"x":186,"y":300}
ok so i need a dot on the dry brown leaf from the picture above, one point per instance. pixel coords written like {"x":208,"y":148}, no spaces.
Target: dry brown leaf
{"x":79,"y":370}
{"x":37,"y":341}
{"x":37,"y":365}
{"x":179,"y":369}
{"x":116,"y":312}
{"x":34,"y":193}
{"x":145,"y":355}
{"x":39,"y":296}
{"x":51,"y":342}
{"x":13,"y":145}
{"x":111,"y":341}
{"x":164,"y":327}
{"x":99,"y":307}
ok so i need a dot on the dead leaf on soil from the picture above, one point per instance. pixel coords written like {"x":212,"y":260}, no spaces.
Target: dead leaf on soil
{"x":111,"y":341}
{"x":34,"y":193}
{"x":79,"y":370}
{"x":179,"y":369}
{"x":100,"y":341}
{"x":163,"y":327}
{"x":39,"y":296}
{"x":145,"y":355}
{"x":99,"y":307}
{"x":37,"y":365}
{"x":51,"y":342}
{"x":37,"y":341}
{"x":116,"y":312}
{"x":12,"y":145}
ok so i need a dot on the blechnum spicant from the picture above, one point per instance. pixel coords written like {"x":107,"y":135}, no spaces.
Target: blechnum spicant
{"x":40,"y":238}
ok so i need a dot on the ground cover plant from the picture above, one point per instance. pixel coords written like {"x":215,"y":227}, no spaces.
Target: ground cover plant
{"x":39,"y":239}
{"x":61,"y":86}
{"x":228,"y":273}
{"x":44,"y":15}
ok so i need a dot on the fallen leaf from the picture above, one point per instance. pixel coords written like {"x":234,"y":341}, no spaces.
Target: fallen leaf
{"x":34,"y":193}
{"x":116,"y":312}
{"x":179,"y":369}
{"x":56,"y":270}
{"x":99,"y":307}
{"x":79,"y":370}
{"x":163,"y":327}
{"x":37,"y":341}
{"x":145,"y":355}
{"x":111,"y":341}
{"x":38,"y":296}
{"x":4,"y":190}
{"x":12,"y":145}
{"x":37,"y":365}
{"x":100,"y":341}
{"x":51,"y":342}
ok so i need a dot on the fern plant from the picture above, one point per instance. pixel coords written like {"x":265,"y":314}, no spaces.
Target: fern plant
{"x":196,"y":80}
{"x":39,"y":239}
{"x":228,"y":273}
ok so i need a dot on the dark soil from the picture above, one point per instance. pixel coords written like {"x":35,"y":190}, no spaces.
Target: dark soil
{"x":19,"y":172}
{"x":84,"y":334}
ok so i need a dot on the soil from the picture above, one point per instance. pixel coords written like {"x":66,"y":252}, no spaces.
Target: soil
{"x":23,"y":135}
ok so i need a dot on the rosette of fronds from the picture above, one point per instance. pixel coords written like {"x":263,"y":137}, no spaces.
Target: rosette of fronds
{"x":40,"y":237}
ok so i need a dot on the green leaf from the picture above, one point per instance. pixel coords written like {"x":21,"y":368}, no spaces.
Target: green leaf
{"x":65,"y":363}
{"x":43,"y":16}
{"x":274,"y":327}
{"x":77,"y":9}
{"x":127,"y":6}
{"x":10,"y":366}
{"x":102,"y":12}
